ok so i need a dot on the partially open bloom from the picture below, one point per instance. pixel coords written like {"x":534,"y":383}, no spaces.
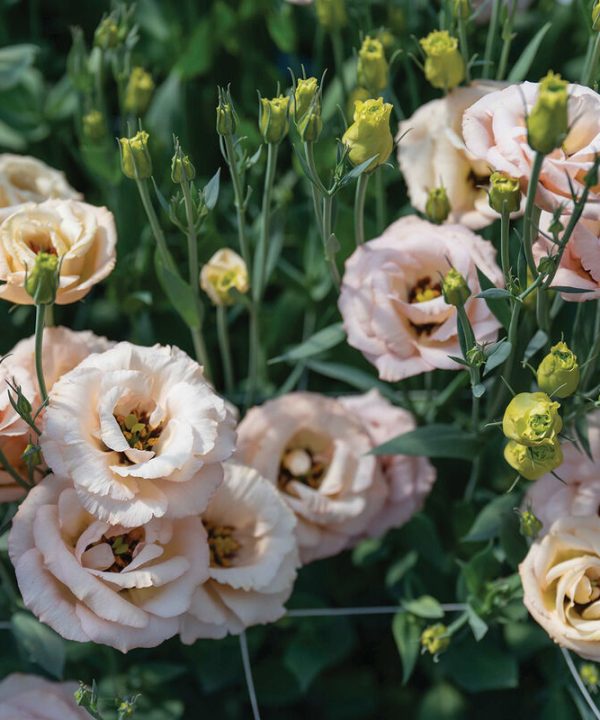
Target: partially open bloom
{"x":304,"y":97}
{"x":560,"y":582}
{"x":253,"y":558}
{"x":432,"y":152}
{"x":140,"y":432}
{"x":444,"y":65}
{"x":23,"y":697}
{"x":138,"y":92}
{"x":505,"y":193}
{"x":62,"y":350}
{"x":82,"y":236}
{"x":495,"y":132}
{"x":274,"y":123}
{"x":224,"y":272}
{"x":391,"y":298}
{"x":316,"y":453}
{"x":372,"y":69}
{"x":558,"y":373}
{"x":532,"y":419}
{"x":369,"y":136}
{"x":26,"y":179}
{"x":90,"y":581}
{"x":136,"y":162}
{"x":533,"y":461}
{"x":409,"y":479}
{"x":455,"y":290}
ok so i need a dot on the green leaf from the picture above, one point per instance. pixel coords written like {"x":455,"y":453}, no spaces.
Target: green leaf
{"x":282,"y":28}
{"x":180,"y":294}
{"x":536,"y":343}
{"x":478,"y":626}
{"x":14,"y":61}
{"x":498,"y":307}
{"x":39,"y":643}
{"x":196,"y":58}
{"x":352,"y":376}
{"x":494,"y":293}
{"x":567,"y":289}
{"x":478,"y":666}
{"x":322,"y":340}
{"x":498,"y":356}
{"x":481,"y":568}
{"x":370,"y":551}
{"x":442,"y":702}
{"x":399,"y":569}
{"x":211,"y":190}
{"x":425,"y":607}
{"x":406,"y":629}
{"x":488,"y":522}
{"x":435,"y":441}
{"x":522,"y":66}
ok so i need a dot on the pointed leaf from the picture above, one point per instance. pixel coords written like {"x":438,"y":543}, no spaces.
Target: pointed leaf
{"x":436,"y":441}
{"x":522,"y":66}
{"x":322,"y":340}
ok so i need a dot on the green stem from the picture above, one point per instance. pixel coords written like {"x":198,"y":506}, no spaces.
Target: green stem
{"x":159,"y":236}
{"x":505,"y":245}
{"x":380,"y":200}
{"x":528,"y":221}
{"x":12,"y":472}
{"x":253,"y":355}
{"x":326,"y":233}
{"x":491,"y":39}
{"x":338,"y":57}
{"x":225,"y":348}
{"x":507,"y":38}
{"x":260,"y":261}
{"x":316,"y":185}
{"x":591,"y":65}
{"x":464,"y":44}
{"x":359,"y":208}
{"x":40,"y":312}
{"x":592,"y":359}
{"x":238,"y":193}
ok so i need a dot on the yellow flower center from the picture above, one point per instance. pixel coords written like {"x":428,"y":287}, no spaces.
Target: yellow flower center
{"x":222,"y":544}
{"x":137,"y":430}
{"x":303,"y":465}
{"x":122,"y":546}
{"x":424,"y":289}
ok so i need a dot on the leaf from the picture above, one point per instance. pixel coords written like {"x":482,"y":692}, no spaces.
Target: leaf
{"x":40,"y":644}
{"x":211,"y":190}
{"x":370,"y":551}
{"x":498,"y":307}
{"x":442,"y":702}
{"x":536,"y":343}
{"x":282,"y":28}
{"x":406,"y":630}
{"x":568,"y":289}
{"x":522,"y":66}
{"x":479,"y":569}
{"x":197,"y":57}
{"x":487,"y":524}
{"x":14,"y":61}
{"x":494,"y":293}
{"x":478,"y":666}
{"x":434,"y":441}
{"x":180,"y":294}
{"x":498,"y":356}
{"x":399,"y":569}
{"x":352,"y":376}
{"x":425,"y":607}
{"x":478,"y":390}
{"x":478,"y":626}
{"x":322,"y":340}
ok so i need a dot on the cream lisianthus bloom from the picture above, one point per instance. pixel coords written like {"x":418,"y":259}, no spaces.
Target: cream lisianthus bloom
{"x":253,"y":558}
{"x":432,"y":153}
{"x":26,"y":179}
{"x":90,"y":581}
{"x":140,"y":432}
{"x":392,"y":303}
{"x":63,"y":349}
{"x":82,"y":236}
{"x":224,"y":272}
{"x":561,"y":584}
{"x":316,"y":453}
{"x":27,"y":697}
{"x":409,"y":479}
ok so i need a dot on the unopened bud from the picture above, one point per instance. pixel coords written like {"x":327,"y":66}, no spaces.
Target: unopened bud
{"x":310,"y":128}
{"x":135,"y":156}
{"x":331,"y":13}
{"x":461,"y":9}
{"x":372,"y":69}
{"x":455,"y":289}
{"x":435,"y":639}
{"x":107,"y":33}
{"x":444,"y":65}
{"x":548,"y":122}
{"x":32,"y":455}
{"x":437,"y":207}
{"x":504,"y":193}
{"x":596,"y":16}
{"x":42,"y":280}
{"x":224,"y":272}
{"x":533,"y":462}
{"x":558,"y":373}
{"x":182,"y":169}
{"x":274,"y":119}
{"x":225,"y":118}
{"x":369,"y":136}
{"x":305,"y":97}
{"x":138,"y":92}
{"x":94,"y":126}
{"x":532,"y":419}
{"x":530,"y":525}
{"x":590,"y":675}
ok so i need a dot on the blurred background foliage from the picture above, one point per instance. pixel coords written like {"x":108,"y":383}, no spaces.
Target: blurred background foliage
{"x":336,"y":668}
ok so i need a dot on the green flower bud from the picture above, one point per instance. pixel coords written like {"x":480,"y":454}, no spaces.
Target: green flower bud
{"x":548,"y":122}
{"x":444,"y":65}
{"x":305,"y":97}
{"x":94,"y":126}
{"x":358,"y":93}
{"x":331,"y":13}
{"x":182,"y":169}
{"x":77,"y":63}
{"x":372,"y":69}
{"x":435,"y":639}
{"x":437,"y":207}
{"x":369,"y":136}
{"x":461,"y":9}
{"x":590,"y":675}
{"x":135,"y":157}
{"x":225,"y":118}
{"x":107,"y":33}
{"x":505,"y":193}
{"x":32,"y":455}
{"x":310,"y":128}
{"x":224,"y":272}
{"x":596,"y":16}
{"x":138,"y":92}
{"x":532,"y":419}
{"x":273,"y":122}
{"x":41,"y":281}
{"x":533,"y":462}
{"x":455,"y":289}
{"x":530,"y":526}
{"x":558,"y":373}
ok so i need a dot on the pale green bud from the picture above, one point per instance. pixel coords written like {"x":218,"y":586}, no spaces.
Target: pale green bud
{"x":437,"y":206}
{"x":455,"y":289}
{"x":504,"y":193}
{"x":372,"y":69}
{"x":135,"y":157}
{"x":42,"y":280}
{"x":138,"y":92}
{"x":548,"y":122}
{"x":558,"y":373}
{"x":444,"y":65}
{"x":273,"y":122}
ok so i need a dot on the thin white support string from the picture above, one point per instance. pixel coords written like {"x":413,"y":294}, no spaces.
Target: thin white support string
{"x":349,"y":611}
{"x":580,"y":684}
{"x":248,"y":675}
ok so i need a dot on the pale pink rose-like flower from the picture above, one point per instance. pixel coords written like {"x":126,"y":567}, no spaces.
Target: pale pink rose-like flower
{"x":579,"y":493}
{"x":391,"y":299}
{"x":409,"y":479}
{"x":63,"y":349}
{"x":432,"y":152}
{"x":495,"y":132}
{"x":253,"y":558}
{"x":29,"y":697}
{"x":311,"y":448}
{"x":140,"y":432}
{"x":82,"y":236}
{"x":91,"y":581}
{"x":27,"y":179}
{"x":560,"y":583}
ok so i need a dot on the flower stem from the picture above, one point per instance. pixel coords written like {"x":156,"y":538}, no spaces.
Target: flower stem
{"x":580,"y":684}
{"x":505,"y":245}
{"x":338,"y":58}
{"x":327,"y":232}
{"x":238,"y":193}
{"x":225,"y":348}
{"x":159,"y":236}
{"x":12,"y":472}
{"x":528,"y":221}
{"x":359,"y":208}
{"x":248,"y":675}
{"x":380,"y":200}
{"x":260,"y":261}
{"x":40,"y":313}
{"x":507,"y":38}
{"x":464,"y":44}
{"x":591,"y":65}
{"x":491,"y":39}
{"x":592,"y":358}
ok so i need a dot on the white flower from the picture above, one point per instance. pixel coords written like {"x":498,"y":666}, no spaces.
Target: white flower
{"x":29,"y":697}
{"x":140,"y":432}
{"x":253,"y":558}
{"x":27,"y":179}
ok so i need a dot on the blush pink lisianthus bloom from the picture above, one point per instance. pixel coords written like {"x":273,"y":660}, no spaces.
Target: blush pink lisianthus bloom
{"x":409,"y":479}
{"x":495,"y":132}
{"x":29,"y":697}
{"x":91,"y":581}
{"x":391,"y":299}
{"x":432,"y":153}
{"x":140,"y":432}
{"x":27,"y":179}
{"x":316,"y":453}
{"x":62,"y":350}
{"x":253,"y":558}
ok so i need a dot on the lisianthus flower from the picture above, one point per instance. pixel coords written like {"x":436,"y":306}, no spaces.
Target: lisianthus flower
{"x":432,"y":152}
{"x":316,"y":453}
{"x":63,"y":349}
{"x":495,"y":132}
{"x":30,"y":697}
{"x":90,"y":581}
{"x":140,"y":432}
{"x":253,"y":558}
{"x":81,"y":236}
{"x":409,"y":479}
{"x":560,"y":577}
{"x":391,"y":297}
{"x":27,"y":179}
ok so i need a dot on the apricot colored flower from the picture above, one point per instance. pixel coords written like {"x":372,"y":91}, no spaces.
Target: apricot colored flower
{"x":27,"y":179}
{"x":29,"y":697}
